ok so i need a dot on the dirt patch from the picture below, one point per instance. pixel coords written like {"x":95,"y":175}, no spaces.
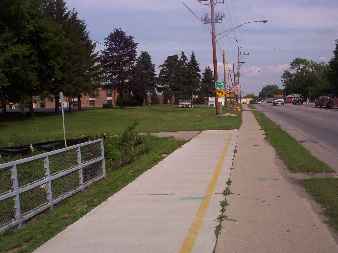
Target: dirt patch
{"x":180,"y":135}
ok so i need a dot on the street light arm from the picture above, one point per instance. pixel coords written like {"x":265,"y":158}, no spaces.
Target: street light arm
{"x":240,"y":25}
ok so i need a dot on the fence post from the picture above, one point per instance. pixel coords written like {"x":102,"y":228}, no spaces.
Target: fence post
{"x":49,"y":182}
{"x":103,"y":159}
{"x":79,"y":161}
{"x":16,"y":190}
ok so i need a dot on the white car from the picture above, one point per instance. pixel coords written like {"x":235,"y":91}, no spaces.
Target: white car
{"x":279,"y":101}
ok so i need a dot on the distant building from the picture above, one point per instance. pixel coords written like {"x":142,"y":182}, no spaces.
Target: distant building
{"x":105,"y":95}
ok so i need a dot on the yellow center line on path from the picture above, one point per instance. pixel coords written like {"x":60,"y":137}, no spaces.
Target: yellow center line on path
{"x":196,"y":226}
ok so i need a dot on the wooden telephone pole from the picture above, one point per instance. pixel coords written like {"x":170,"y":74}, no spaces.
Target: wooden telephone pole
{"x":225,"y":70}
{"x":214,"y":19}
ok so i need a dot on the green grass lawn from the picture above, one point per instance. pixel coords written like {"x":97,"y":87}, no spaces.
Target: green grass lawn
{"x":296,"y":157}
{"x":112,"y":121}
{"x":325,"y":192}
{"x":45,"y":226}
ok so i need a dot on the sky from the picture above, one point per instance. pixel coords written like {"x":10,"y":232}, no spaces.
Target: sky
{"x":296,"y":28}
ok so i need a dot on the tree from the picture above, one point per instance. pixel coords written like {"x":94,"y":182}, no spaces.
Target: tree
{"x":269,"y":91}
{"x":44,"y":49}
{"x":306,"y":77}
{"x":168,"y":79}
{"x":250,"y":95}
{"x":143,"y":82}
{"x":183,"y":86}
{"x":333,"y":71}
{"x":207,"y":84}
{"x":79,"y":71}
{"x":194,"y":74}
{"x":25,"y":39}
{"x":118,"y":60}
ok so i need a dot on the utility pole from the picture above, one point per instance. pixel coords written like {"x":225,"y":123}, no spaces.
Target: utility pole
{"x":225,"y":70}
{"x":213,"y":20}
{"x":226,"y":82}
{"x":238,"y":71}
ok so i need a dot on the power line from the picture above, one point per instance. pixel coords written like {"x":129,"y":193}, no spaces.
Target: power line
{"x":192,"y":12}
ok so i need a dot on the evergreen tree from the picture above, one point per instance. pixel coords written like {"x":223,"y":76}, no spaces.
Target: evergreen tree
{"x":143,"y":82}
{"x":207,"y":84}
{"x":118,"y":61}
{"x":168,"y":80}
{"x":79,"y":69}
{"x":195,"y":74}
{"x":333,"y":71}
{"x":183,"y":89}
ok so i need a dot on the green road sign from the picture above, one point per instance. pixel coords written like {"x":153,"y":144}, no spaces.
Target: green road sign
{"x":219,"y":85}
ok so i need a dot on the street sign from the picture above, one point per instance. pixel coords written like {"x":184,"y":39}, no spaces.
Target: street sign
{"x":220,"y":93}
{"x":219,"y":85}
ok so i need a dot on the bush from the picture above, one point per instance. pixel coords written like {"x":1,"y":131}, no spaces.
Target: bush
{"x":131,"y":144}
{"x":127,"y":100}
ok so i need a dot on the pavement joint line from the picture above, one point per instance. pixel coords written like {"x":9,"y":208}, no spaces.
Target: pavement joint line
{"x":197,"y":223}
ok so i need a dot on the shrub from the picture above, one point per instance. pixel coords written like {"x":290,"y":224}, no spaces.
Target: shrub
{"x":131,"y":144}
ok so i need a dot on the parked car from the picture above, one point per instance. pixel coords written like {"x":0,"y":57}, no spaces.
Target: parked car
{"x":325,"y":102}
{"x":279,"y":101}
{"x":185,"y":104}
{"x":297,"y":101}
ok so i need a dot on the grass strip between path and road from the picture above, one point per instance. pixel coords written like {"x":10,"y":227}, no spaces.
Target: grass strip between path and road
{"x":48,"y":224}
{"x":325,"y":192}
{"x":296,"y":157}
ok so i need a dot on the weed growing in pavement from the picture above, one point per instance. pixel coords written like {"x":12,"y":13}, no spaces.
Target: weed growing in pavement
{"x":222,"y":216}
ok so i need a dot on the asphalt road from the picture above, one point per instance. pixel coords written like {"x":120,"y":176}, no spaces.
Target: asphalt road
{"x":316,"y":129}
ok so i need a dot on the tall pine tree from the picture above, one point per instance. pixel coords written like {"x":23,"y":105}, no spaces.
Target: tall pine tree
{"x":118,"y":61}
{"x":143,"y":82}
{"x":194,"y":74}
{"x":80,"y":70}
{"x":207,"y":84}
{"x":168,"y":79}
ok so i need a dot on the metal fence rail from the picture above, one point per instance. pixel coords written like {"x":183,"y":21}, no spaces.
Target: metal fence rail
{"x":31,"y":185}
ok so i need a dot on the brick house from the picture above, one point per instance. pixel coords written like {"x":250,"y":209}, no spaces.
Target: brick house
{"x":105,"y":95}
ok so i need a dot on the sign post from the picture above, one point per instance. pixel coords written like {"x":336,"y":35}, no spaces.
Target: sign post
{"x":62,"y":99}
{"x":220,"y":91}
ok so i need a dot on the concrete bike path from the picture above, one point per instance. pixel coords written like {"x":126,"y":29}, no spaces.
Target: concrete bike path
{"x":267,"y":212}
{"x":171,"y":208}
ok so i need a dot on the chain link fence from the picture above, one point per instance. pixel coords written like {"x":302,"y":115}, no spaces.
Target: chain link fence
{"x":31,"y":185}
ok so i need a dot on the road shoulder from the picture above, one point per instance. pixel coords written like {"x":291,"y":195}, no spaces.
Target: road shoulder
{"x":267,"y":213}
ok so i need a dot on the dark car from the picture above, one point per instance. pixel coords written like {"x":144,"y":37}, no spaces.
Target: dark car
{"x":324,"y":102}
{"x":297,"y":101}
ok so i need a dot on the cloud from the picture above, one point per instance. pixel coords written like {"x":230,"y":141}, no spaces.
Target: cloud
{"x":140,"y":5}
{"x":258,"y":70}
{"x":296,"y":28}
